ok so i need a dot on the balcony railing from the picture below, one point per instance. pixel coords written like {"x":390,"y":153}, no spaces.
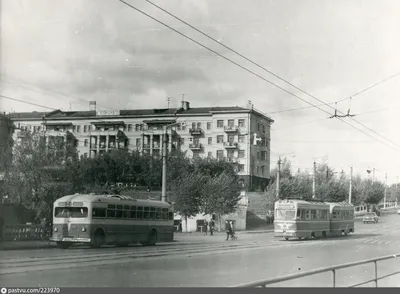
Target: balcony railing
{"x":231,"y":145}
{"x":196,"y":146}
{"x":230,"y":129}
{"x":195,"y":131}
{"x":232,"y":159}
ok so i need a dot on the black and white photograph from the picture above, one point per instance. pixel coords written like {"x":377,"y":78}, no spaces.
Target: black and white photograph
{"x":199,"y":143}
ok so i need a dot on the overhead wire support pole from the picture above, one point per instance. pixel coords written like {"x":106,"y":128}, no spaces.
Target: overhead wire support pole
{"x":350,"y":184}
{"x":164,"y":167}
{"x":278,"y":178}
{"x":313,"y":184}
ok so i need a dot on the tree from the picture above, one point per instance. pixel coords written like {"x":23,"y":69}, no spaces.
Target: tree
{"x":188,"y":193}
{"x":38,"y":174}
{"x":374,"y":192}
{"x":220,"y":195}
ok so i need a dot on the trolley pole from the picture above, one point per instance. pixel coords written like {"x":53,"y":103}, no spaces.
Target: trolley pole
{"x":351,"y":178}
{"x":164,"y":167}
{"x":384,"y":197}
{"x":278,"y":178}
{"x":313,"y":180}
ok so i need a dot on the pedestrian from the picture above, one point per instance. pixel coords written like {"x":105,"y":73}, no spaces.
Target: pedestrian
{"x":229,"y":231}
{"x":211,"y":224}
{"x":205,"y":227}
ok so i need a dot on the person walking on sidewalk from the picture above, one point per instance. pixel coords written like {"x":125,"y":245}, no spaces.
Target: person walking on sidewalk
{"x":212,"y":224}
{"x":205,"y":227}
{"x":229,"y":231}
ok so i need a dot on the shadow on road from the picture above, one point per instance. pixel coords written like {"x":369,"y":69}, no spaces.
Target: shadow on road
{"x":349,"y":237}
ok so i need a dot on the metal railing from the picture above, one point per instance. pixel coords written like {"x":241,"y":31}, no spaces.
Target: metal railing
{"x":333,"y":269}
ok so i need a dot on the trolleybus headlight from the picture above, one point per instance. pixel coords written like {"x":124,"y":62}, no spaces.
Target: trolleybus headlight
{"x":55,"y":229}
{"x":83,"y":229}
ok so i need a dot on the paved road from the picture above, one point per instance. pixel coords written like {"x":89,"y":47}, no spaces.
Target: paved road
{"x":207,"y":261}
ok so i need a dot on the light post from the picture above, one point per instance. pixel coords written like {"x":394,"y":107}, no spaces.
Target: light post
{"x":164,"y":161}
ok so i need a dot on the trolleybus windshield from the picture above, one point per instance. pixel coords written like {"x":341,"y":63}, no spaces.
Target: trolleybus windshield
{"x":283,"y":214}
{"x":71,"y":212}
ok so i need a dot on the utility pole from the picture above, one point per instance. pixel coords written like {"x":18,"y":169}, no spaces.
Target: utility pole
{"x":351,"y":178}
{"x":278,"y":178}
{"x":164,"y":167}
{"x":313,"y":180}
{"x":384,"y":197}
{"x":373,"y":175}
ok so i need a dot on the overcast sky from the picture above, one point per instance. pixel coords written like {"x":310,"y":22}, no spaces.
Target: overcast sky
{"x":62,"y":54}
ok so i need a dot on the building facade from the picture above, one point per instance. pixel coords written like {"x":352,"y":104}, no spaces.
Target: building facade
{"x":239,"y":135}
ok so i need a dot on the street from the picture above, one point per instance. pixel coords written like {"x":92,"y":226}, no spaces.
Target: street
{"x":208,"y":261}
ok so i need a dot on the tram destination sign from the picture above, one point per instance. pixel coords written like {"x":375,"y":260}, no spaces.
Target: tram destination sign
{"x":108,"y":112}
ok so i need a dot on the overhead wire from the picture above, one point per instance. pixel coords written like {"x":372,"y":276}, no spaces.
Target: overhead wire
{"x":224,"y":57}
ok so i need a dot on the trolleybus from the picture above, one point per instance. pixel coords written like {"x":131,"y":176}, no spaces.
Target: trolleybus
{"x":110,"y":219}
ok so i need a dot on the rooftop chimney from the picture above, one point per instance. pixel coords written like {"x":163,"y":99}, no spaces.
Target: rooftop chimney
{"x":92,"y":105}
{"x":185,"y":105}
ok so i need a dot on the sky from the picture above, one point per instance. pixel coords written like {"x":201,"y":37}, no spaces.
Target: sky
{"x":63,"y":54}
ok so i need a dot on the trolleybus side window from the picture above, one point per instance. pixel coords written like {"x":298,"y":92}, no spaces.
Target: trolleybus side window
{"x":152,"y":213}
{"x":110,"y":210}
{"x":165,"y":213}
{"x":139,"y":212}
{"x":126,"y":212}
{"x":313,"y":214}
{"x":146,"y":213}
{"x":118,"y":212}
{"x":98,"y":212}
{"x":133,"y":212}
{"x":158,"y":213}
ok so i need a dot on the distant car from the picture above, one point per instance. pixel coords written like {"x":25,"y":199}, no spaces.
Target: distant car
{"x":398,"y":211}
{"x":370,"y":217}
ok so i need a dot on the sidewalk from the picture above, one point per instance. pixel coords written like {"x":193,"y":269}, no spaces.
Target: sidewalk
{"x":183,"y":238}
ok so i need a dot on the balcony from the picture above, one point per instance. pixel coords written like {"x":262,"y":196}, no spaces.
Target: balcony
{"x":195,"y":131}
{"x":231,"y":129}
{"x":117,"y":133}
{"x":195,"y":146}
{"x":231,"y":145}
{"x":232,"y":159}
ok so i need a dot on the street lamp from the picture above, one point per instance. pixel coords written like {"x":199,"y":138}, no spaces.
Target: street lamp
{"x":164,"y":160}
{"x":279,"y":171}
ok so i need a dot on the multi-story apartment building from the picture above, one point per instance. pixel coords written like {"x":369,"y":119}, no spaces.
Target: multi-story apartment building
{"x":6,"y":132}
{"x":218,"y":132}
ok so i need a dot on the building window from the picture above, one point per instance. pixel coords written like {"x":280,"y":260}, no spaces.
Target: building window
{"x":137,"y":127}
{"x":86,"y":142}
{"x":208,"y":126}
{"x":258,"y":156}
{"x":231,"y":122}
{"x":209,"y":155}
{"x":241,"y":123}
{"x":220,"y":123}
{"x":231,"y":138}
{"x":220,"y":139}
{"x":230,"y":153}
{"x":85,"y":128}
{"x":241,"y":138}
{"x":258,"y":170}
{"x":193,"y":126}
{"x":138,"y":142}
{"x":183,"y":126}
{"x":262,"y":170}
{"x":220,"y":154}
{"x":74,"y":129}
{"x":129,"y":128}
{"x":209,"y":140}
{"x":78,"y":129}
{"x":199,"y":125}
{"x":241,"y":167}
{"x":196,"y":154}
{"x":241,"y":154}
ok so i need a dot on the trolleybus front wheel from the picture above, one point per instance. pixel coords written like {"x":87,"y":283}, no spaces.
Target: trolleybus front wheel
{"x":98,"y":239}
{"x":63,"y":245}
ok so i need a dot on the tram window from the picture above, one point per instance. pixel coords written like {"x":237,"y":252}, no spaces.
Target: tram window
{"x":111,"y":213}
{"x":111,"y":206}
{"x":307,"y":213}
{"x":313,"y":214}
{"x":171,"y":215}
{"x":125,"y":214}
{"x":98,"y":212}
{"x":120,"y":207}
{"x":324,"y":214}
{"x":133,"y":212}
{"x":139,"y":213}
{"x":334,"y":215}
{"x":298,"y":215}
{"x":118,"y":213}
{"x":127,"y":207}
{"x":146,"y":213}
{"x":152,"y":213}
{"x":165,"y":213}
{"x":158,"y":213}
